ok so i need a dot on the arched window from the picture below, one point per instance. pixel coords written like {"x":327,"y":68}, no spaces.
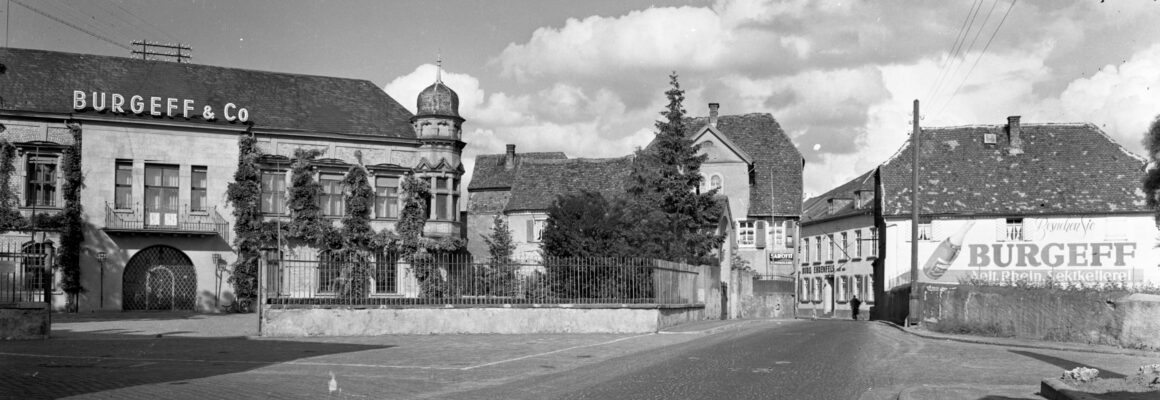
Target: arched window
{"x":715,"y":182}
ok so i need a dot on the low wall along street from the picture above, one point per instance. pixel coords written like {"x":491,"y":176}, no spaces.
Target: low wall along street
{"x":1114,"y":318}
{"x":640,"y":318}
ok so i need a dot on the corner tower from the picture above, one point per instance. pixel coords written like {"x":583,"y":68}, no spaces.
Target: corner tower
{"x":438,"y":126}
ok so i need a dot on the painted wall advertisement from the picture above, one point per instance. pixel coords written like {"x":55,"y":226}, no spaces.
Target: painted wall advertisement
{"x":1086,"y":249}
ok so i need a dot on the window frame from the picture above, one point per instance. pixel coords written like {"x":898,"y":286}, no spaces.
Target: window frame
{"x":338,"y":196}
{"x":195,"y":191}
{"x":163,"y":189}
{"x":263,"y":190}
{"x":925,"y":231}
{"x":747,"y":228}
{"x":383,"y":199}
{"x":118,"y":186}
{"x":31,"y":178}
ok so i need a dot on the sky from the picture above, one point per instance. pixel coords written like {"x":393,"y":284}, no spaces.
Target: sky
{"x":588,"y":77}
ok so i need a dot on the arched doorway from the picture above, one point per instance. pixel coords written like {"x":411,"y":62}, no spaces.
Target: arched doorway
{"x":159,"y":278}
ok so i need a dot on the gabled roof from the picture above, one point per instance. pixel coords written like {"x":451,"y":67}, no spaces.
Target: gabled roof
{"x":44,"y":81}
{"x":539,"y":182}
{"x":492,"y":174}
{"x":818,"y":208}
{"x":1064,"y":168}
{"x":733,"y":147}
{"x":778,"y":163}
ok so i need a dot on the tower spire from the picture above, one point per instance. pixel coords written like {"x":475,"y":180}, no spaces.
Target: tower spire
{"x":439,"y":67}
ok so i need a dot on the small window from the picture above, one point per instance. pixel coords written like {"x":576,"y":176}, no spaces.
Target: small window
{"x":924,"y":232}
{"x":123,"y":185}
{"x":197,"y":188}
{"x":858,"y":243}
{"x":818,"y":241}
{"x":715,"y":182}
{"x":387,"y":197}
{"x":830,"y":250}
{"x":805,"y":250}
{"x":1014,"y":229}
{"x":41,"y":181}
{"x":746,"y":233}
{"x":332,"y":197}
{"x":538,"y":230}
{"x":845,"y":246}
{"x":778,"y":234}
{"x":273,"y":192}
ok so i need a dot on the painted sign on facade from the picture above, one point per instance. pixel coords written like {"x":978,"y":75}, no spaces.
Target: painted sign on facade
{"x":1090,"y":249}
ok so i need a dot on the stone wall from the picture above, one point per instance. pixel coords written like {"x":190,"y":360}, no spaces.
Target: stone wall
{"x":24,"y":322}
{"x":1098,"y":317}
{"x":297,"y":322}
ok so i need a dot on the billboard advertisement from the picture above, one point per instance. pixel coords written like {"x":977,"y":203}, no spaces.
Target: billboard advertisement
{"x":1074,"y":249}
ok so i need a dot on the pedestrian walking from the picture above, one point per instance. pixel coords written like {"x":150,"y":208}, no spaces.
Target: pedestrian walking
{"x":854,"y":305}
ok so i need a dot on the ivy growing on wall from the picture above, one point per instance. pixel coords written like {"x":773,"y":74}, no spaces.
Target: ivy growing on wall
{"x":357,"y":234}
{"x":244,"y":194}
{"x":73,"y":234}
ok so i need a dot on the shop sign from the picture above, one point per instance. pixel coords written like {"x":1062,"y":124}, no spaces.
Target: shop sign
{"x":781,"y":257}
{"x":821,"y":269}
{"x":156,"y":106}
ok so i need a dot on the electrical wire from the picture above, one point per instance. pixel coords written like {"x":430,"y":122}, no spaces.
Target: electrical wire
{"x":971,"y":47}
{"x":980,"y":57}
{"x":958,"y":36}
{"x":71,"y":25}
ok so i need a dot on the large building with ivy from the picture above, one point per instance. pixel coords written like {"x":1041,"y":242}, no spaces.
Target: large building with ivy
{"x":159,"y":146}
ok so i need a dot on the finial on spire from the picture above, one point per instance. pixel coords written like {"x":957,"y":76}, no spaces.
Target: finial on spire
{"x":438,"y":66}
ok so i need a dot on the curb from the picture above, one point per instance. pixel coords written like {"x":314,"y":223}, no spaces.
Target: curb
{"x":962,"y":390}
{"x":1040,"y":345}
{"x":1055,"y":389}
{"x":717,"y":329}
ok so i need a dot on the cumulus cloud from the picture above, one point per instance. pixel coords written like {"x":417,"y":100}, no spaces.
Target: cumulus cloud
{"x":1122,"y":99}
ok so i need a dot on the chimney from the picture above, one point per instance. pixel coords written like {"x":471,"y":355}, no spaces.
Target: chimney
{"x":713,"y":114}
{"x":1015,"y":135}
{"x":509,"y":161}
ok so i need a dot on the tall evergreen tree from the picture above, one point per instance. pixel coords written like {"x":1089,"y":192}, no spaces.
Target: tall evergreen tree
{"x":670,"y":216}
{"x":1152,"y":175}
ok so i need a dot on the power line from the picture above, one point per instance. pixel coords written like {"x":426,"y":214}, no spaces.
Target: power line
{"x":71,"y":25}
{"x":955,"y":60}
{"x":980,"y":57}
{"x":71,"y":11}
{"x":942,"y":66}
{"x":973,"y":40}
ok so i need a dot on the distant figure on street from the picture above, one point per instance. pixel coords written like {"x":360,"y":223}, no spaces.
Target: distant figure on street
{"x":855,"y":304}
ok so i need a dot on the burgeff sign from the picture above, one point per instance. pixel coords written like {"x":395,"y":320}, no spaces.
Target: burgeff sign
{"x":156,"y":106}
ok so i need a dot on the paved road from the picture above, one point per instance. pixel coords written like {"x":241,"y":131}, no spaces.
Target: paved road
{"x":811,"y":360}
{"x":764,"y":359}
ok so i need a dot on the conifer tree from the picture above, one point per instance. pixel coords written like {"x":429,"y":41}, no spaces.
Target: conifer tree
{"x":669,"y":215}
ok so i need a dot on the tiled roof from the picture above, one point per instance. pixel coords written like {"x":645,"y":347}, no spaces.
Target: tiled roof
{"x":1064,"y":168}
{"x":778,"y":185}
{"x":44,"y":81}
{"x":818,"y":208}
{"x":491,"y":173}
{"x":539,"y":182}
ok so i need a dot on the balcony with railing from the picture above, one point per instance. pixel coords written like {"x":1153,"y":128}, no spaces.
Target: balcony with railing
{"x":182,"y":221}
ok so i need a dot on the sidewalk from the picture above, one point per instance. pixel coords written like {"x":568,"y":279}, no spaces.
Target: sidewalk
{"x":999,"y":391}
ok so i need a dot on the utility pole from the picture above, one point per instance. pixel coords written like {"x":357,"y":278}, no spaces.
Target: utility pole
{"x":912,"y":315}
{"x":173,"y":51}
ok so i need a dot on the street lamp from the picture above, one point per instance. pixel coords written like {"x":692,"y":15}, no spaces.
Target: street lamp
{"x":101,"y":257}
{"x":217,"y":266}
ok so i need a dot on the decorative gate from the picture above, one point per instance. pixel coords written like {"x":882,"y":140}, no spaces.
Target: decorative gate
{"x":159,"y":278}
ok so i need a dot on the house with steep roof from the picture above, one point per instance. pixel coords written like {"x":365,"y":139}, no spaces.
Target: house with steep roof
{"x":521,"y":187}
{"x":753,"y":163}
{"x":1013,"y":202}
{"x":838,"y":249}
{"x":160,"y":146}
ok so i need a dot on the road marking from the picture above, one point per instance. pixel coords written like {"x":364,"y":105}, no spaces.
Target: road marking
{"x":553,"y":352}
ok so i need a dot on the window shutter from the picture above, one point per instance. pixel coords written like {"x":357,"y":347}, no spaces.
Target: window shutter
{"x":1001,"y":229}
{"x":1029,"y":232}
{"x":531,"y":231}
{"x":761,"y":234}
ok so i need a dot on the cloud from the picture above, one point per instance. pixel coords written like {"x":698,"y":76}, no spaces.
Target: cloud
{"x":1122,"y":100}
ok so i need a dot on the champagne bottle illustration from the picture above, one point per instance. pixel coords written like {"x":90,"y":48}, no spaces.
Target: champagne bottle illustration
{"x":945,"y":253}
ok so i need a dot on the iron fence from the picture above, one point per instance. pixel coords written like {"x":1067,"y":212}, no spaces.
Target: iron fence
{"x":26,"y":273}
{"x":356,"y":278}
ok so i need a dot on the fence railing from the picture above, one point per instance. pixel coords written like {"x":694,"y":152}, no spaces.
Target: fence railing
{"x":26,"y":273}
{"x":354,"y":278}
{"x":184,"y":219}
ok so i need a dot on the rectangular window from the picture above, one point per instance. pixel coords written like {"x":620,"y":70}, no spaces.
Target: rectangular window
{"x":830,"y":249}
{"x":40,"y":190}
{"x":387,"y":197}
{"x":1014,"y":229}
{"x":858,"y":243}
{"x":442,"y":212}
{"x":746,"y":233}
{"x":805,"y":290}
{"x":843,"y":285}
{"x":123,"y":186}
{"x":273,"y":192}
{"x":197,"y":188}
{"x":386,"y":268}
{"x":331,"y":199}
{"x":845,"y":246}
{"x":538,"y":230}
{"x":778,"y":234}
{"x":818,"y":241}
{"x":924,"y":231}
{"x":161,"y":191}
{"x":805,"y":250}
